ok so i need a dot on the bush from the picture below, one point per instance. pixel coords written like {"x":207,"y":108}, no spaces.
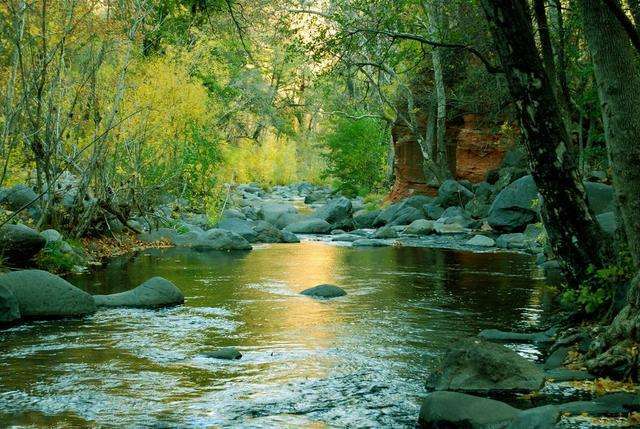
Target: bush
{"x":357,"y":155}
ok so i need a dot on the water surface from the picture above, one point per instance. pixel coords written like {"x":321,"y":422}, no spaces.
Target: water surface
{"x":357,"y":361}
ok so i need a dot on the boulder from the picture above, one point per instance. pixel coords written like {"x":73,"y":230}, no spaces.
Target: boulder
{"x":324,"y":291}
{"x":387,"y":215}
{"x":452,"y":193}
{"x":233,"y":214}
{"x":156,"y":292}
{"x":544,"y":417}
{"x":514,"y":207}
{"x":9,"y":310}
{"x":267,"y":233}
{"x":365,"y":218}
{"x":289,"y":237}
{"x":224,"y":353}
{"x":370,"y":242}
{"x":476,"y":366}
{"x":19,"y":196}
{"x":457,"y":410}
{"x":513,"y":241}
{"x":349,"y":238}
{"x":499,"y":336}
{"x":279,"y":215}
{"x":443,"y":228}
{"x":406,"y":215}
{"x":51,"y":235}
{"x":600,"y":197}
{"x":310,"y":226}
{"x":433,"y":211}
{"x":608,"y":223}
{"x":19,"y":243}
{"x":337,"y":212}
{"x":239,"y":226}
{"x":481,"y":241}
{"x":220,"y":239}
{"x":420,"y":227}
{"x":385,"y":232}
{"x":484,"y":192}
{"x":42,"y":295}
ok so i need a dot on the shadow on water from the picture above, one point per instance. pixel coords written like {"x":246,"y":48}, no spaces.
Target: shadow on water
{"x":358,"y":361}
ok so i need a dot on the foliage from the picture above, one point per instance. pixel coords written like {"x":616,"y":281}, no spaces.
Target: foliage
{"x":356,"y":156}
{"x":60,"y":257}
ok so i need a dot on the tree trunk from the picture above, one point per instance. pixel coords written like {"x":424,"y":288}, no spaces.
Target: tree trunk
{"x":574,"y":235}
{"x":634,"y":7}
{"x":619,"y":89}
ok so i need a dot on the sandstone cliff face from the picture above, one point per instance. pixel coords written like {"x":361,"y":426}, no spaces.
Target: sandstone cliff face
{"x":477,"y":151}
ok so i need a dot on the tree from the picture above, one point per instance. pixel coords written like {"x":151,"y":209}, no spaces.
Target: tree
{"x":574,"y":235}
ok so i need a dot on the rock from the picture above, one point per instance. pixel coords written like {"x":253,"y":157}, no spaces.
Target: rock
{"x":476,"y":366}
{"x":224,"y":353}
{"x":19,"y":196}
{"x":289,"y":237}
{"x":387,"y":215}
{"x":536,"y":418}
{"x":407,"y":215}
{"x":370,"y":242}
{"x":267,"y":233}
{"x":563,"y":374}
{"x":420,"y":227}
{"x":239,"y":226}
{"x":315,"y":197}
{"x":310,"y":226}
{"x":19,"y":243}
{"x":42,"y":295}
{"x":600,"y":197}
{"x":324,"y":291}
{"x":481,"y":241}
{"x":448,"y":228}
{"x":499,"y":336}
{"x":279,"y":215}
{"x":512,"y":241}
{"x":365,"y":218}
{"x":612,"y":404}
{"x":557,"y":358}
{"x":452,"y":193}
{"x":9,"y":310}
{"x":385,"y":232}
{"x":348,"y":238}
{"x":514,"y":207}
{"x":51,"y":235}
{"x":433,"y":211}
{"x":337,"y":212}
{"x":598,"y":176}
{"x":220,"y":239}
{"x":484,"y":192}
{"x":156,"y":292}
{"x":457,"y":410}
{"x":233,"y":214}
{"x":608,"y":223}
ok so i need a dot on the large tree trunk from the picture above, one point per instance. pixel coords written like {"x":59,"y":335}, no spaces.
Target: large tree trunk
{"x":619,"y":89}
{"x":573,"y":232}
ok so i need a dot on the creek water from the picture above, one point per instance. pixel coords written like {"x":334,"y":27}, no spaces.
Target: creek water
{"x":356,"y":361}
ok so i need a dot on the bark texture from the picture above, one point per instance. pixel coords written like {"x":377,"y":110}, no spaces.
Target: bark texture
{"x":573,"y":232}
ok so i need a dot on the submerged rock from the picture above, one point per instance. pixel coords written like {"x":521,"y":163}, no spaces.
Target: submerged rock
{"x":156,"y":292}
{"x":457,"y":410}
{"x":19,"y":243}
{"x":42,"y":295}
{"x":476,"y":366}
{"x":225,"y":353}
{"x":9,"y":310}
{"x":324,"y":291}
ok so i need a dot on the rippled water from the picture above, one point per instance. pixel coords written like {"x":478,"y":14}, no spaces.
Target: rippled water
{"x":357,"y":361}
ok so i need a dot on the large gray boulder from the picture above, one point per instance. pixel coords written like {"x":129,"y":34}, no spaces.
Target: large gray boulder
{"x":9,"y":310}
{"x":42,"y":295}
{"x":239,"y":226}
{"x":452,"y":193}
{"x":457,"y":410}
{"x":420,"y":227}
{"x":403,"y":212}
{"x":608,"y":223}
{"x":267,"y":233}
{"x":279,"y":215}
{"x":310,"y":226}
{"x":600,"y":197}
{"x":406,"y":215}
{"x":476,"y":366}
{"x":156,"y":292}
{"x":19,"y":196}
{"x":220,"y":239}
{"x":337,"y":212}
{"x":514,"y":207}
{"x":386,"y":232}
{"x":365,"y":218}
{"x":19,"y":243}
